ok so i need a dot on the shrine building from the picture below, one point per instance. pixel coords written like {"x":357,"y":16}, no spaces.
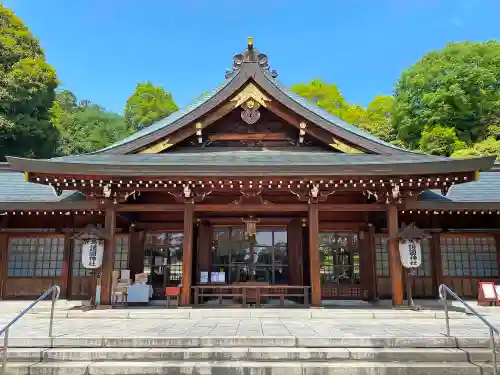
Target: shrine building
{"x":250,"y":185}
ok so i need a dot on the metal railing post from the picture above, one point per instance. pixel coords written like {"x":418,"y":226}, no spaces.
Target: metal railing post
{"x":443,"y":292}
{"x":4,"y":354}
{"x":54,"y":291}
{"x":494,"y":352}
{"x":446,"y":314}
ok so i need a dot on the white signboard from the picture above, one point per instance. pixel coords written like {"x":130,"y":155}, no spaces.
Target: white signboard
{"x":92,"y":252}
{"x":410,"y":252}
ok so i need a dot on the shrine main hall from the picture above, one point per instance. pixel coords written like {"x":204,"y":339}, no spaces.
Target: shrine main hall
{"x":249,"y":185}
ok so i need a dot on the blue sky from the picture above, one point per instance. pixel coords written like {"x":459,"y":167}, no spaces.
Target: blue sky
{"x":102,"y":48}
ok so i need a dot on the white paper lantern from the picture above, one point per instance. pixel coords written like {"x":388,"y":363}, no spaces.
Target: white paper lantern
{"x":92,"y":253}
{"x":410,"y":252}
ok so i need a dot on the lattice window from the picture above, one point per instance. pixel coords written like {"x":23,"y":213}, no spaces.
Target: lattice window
{"x":121,"y":253}
{"x":35,"y":256}
{"x":265,"y":259}
{"x":339,"y":258}
{"x":121,"y":256}
{"x":163,"y":261}
{"x":382,"y":258}
{"x":473,"y":256}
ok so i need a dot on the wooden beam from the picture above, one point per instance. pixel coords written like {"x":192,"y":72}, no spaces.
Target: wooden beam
{"x":353,"y":207}
{"x":249,"y":137}
{"x":250,"y":207}
{"x":149,"y":207}
{"x":187,"y":256}
{"x":109,"y":257}
{"x":314,"y":263}
{"x":394,"y":259}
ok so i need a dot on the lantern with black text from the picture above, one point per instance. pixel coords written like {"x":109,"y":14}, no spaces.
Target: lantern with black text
{"x":410,"y":251}
{"x":92,"y":253}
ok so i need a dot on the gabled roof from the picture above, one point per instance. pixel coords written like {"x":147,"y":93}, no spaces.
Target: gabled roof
{"x":252,"y":66}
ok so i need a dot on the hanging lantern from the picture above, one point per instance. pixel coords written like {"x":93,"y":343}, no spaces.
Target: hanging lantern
{"x":410,"y":246}
{"x":92,"y":253}
{"x":92,"y":238}
{"x":250,"y":227}
{"x":410,"y":252}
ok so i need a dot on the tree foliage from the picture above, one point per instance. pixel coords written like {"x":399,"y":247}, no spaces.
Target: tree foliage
{"x":375,"y":119}
{"x":457,"y":87}
{"x":27,"y":89}
{"x":439,"y":140}
{"x":147,"y":105}
{"x":85,"y":127}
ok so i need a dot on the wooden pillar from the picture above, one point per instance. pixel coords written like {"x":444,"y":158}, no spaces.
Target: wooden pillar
{"x":66,"y":264}
{"x":204,"y":249}
{"x":497,"y":244}
{"x":4,"y":261}
{"x":314,"y":255}
{"x":136,"y":250}
{"x":187,"y":256}
{"x":436,"y":262}
{"x":294,"y":239}
{"x":394,"y":260}
{"x":368,"y":263}
{"x":108,"y":262}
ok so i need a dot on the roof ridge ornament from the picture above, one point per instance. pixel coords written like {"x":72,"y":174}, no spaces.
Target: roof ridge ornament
{"x":251,"y":55}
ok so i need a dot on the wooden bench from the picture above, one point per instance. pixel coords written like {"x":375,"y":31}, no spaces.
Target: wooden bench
{"x":172,"y":291}
{"x":251,"y":292}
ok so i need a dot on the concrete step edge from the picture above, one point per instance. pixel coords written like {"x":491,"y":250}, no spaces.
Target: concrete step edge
{"x":251,"y":354}
{"x":231,"y":368}
{"x":249,"y":341}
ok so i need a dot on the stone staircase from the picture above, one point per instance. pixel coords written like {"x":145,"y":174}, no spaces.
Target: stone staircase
{"x":250,"y":355}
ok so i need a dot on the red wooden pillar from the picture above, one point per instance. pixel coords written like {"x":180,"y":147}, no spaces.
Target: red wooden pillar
{"x":187,"y":256}
{"x":368,"y":263}
{"x":66,"y":264}
{"x":136,"y":251}
{"x":108,"y":257}
{"x":314,"y":255}
{"x":4,"y":260}
{"x":394,"y":259}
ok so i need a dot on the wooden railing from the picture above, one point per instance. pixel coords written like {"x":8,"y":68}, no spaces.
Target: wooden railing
{"x":246,"y":294}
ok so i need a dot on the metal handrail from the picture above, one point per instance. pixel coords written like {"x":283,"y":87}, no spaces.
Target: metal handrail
{"x":55,"y":291}
{"x":444,"y":290}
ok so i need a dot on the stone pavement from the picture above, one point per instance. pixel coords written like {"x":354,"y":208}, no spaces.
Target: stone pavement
{"x":32,"y":326}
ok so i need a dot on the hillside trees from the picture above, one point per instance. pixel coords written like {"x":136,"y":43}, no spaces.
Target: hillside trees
{"x":453,"y":88}
{"x":27,"y":90}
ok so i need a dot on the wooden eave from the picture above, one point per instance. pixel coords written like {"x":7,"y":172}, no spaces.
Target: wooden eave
{"x":365,"y":168}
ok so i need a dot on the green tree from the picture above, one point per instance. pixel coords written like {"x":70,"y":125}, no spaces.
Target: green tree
{"x":27,"y":90}
{"x":455,"y":87}
{"x":439,"y":140}
{"x":324,"y":95}
{"x":147,"y":105}
{"x":85,"y":127}
{"x":489,"y":147}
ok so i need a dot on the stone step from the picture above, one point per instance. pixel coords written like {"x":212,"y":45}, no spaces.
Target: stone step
{"x":197,"y":314}
{"x":250,"y":354}
{"x":247,"y":341}
{"x":247,"y":368}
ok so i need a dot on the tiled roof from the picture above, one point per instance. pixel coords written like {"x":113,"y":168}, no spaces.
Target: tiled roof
{"x":486,"y":189}
{"x":327,"y":115}
{"x":13,"y":188}
{"x":249,"y":158}
{"x":170,"y":119}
